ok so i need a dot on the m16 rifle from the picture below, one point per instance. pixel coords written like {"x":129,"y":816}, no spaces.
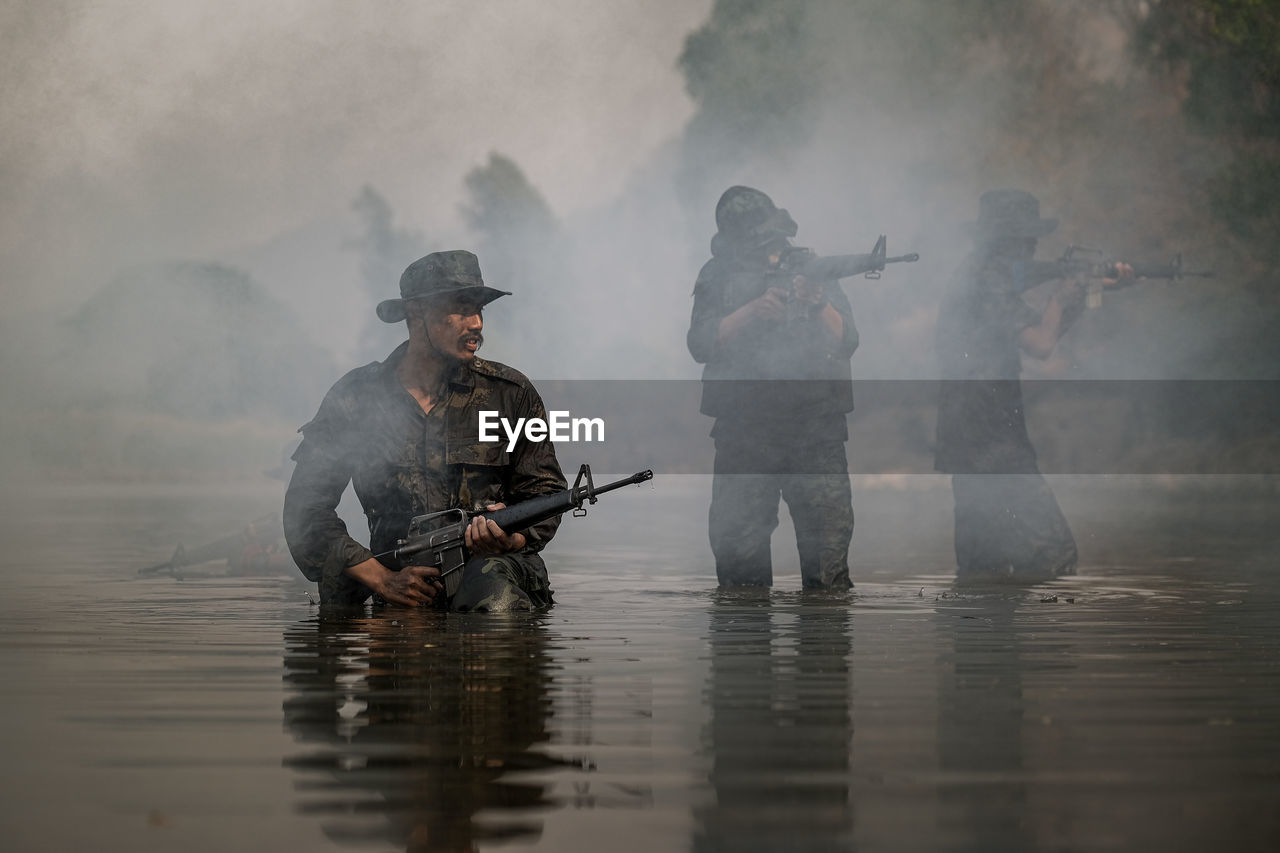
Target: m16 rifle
{"x":438,"y":539}
{"x":795,"y":262}
{"x":1094,"y":267}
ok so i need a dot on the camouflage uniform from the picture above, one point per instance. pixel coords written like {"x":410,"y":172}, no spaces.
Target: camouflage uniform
{"x":779,"y":393}
{"x":1008,"y":526}
{"x":403,"y":462}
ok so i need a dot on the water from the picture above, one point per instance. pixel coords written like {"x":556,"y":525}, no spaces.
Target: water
{"x":646,"y":711}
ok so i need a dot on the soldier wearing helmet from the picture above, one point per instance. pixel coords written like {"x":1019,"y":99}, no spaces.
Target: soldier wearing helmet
{"x":778,"y":383}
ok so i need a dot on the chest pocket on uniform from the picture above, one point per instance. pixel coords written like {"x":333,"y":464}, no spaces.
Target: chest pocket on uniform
{"x":477,"y":454}
{"x":479,"y":470}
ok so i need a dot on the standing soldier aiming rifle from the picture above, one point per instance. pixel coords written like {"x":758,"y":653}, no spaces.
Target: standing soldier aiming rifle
{"x":775,"y":331}
{"x":1008,"y":526}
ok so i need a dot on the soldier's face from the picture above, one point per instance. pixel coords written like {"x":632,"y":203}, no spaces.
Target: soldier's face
{"x":453,"y":327}
{"x":1019,"y":248}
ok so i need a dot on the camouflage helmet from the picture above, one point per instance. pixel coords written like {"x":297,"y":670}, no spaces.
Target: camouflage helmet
{"x":745,"y":215}
{"x":439,"y":274}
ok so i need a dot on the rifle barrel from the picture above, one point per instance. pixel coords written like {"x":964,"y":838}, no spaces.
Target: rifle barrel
{"x":525,"y":514}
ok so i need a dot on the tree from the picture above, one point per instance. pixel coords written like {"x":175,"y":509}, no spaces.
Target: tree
{"x":200,"y":341}
{"x":521,"y":249}
{"x":385,"y":250}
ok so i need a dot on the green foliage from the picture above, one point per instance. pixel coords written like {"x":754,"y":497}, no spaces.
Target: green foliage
{"x":1247,"y":198}
{"x":503,"y":205}
{"x":385,"y":250}
{"x":754,"y":78}
{"x":521,"y":249}
{"x":749,"y":68}
{"x":1230,"y":50}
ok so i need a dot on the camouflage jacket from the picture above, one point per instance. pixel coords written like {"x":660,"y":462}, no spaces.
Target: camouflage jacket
{"x":816,"y":387}
{"x":403,"y":462}
{"x":981,"y":427}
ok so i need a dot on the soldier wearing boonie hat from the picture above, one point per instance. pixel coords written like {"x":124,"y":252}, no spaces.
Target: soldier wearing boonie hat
{"x":1008,"y":526}
{"x":454,"y":273}
{"x":405,"y":433}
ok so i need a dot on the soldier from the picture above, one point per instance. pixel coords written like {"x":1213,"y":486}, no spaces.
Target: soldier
{"x":404,"y":432}
{"x":784,"y":348}
{"x":1008,"y":526}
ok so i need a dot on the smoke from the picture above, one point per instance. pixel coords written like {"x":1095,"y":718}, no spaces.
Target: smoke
{"x":579,"y":149}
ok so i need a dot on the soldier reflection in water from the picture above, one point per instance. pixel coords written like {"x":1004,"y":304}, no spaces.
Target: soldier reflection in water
{"x":410,"y":727}
{"x":982,"y":795}
{"x":780,"y":727}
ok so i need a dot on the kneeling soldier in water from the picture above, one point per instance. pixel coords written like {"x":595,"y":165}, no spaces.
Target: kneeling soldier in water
{"x":404,"y":432}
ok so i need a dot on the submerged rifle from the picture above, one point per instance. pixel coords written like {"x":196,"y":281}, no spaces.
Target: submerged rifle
{"x":441,"y":535}
{"x":1097,"y":267}
{"x":261,"y":534}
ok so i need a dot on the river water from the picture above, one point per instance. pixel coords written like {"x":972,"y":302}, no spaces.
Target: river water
{"x":1133,"y":707}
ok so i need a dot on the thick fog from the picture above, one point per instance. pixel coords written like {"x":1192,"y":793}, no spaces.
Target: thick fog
{"x":234,"y":187}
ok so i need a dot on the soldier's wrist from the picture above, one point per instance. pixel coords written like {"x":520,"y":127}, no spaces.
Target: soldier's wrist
{"x":371,"y":573}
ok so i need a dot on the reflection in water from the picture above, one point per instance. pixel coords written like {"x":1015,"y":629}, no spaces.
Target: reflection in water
{"x":983,"y":793}
{"x":416,"y":721}
{"x":780,"y":726}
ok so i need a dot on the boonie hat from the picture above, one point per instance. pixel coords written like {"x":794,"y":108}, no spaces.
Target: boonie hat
{"x":1009,"y":213}
{"x":439,"y":274}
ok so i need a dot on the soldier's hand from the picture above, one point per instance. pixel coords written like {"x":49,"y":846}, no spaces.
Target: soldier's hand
{"x":808,"y":292}
{"x":771,"y":305}
{"x":1070,"y":294}
{"x":1124,"y":272}
{"x":412,"y":586}
{"x":483,"y":536}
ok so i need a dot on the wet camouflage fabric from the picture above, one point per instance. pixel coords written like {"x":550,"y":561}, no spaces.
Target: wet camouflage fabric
{"x":402,"y":462}
{"x":503,"y":583}
{"x":779,"y":394}
{"x":981,"y":422}
{"x":1010,"y":529}
{"x":788,"y":350}
{"x":813,"y":479}
{"x":1008,"y":526}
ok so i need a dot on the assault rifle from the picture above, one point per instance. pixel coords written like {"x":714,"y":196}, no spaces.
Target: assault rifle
{"x":1098,"y":267}
{"x":794,"y":261}
{"x":441,"y":535}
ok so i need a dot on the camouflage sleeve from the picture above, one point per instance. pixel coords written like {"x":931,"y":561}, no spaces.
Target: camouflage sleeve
{"x":317,"y":537}
{"x":849,"y":338}
{"x":533,"y":469}
{"x":1010,"y":313}
{"x":708,"y":311}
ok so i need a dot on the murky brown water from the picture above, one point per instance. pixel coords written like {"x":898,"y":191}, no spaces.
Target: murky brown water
{"x":646,"y":711}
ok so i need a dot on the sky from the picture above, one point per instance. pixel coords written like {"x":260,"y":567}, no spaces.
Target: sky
{"x":145,"y":131}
